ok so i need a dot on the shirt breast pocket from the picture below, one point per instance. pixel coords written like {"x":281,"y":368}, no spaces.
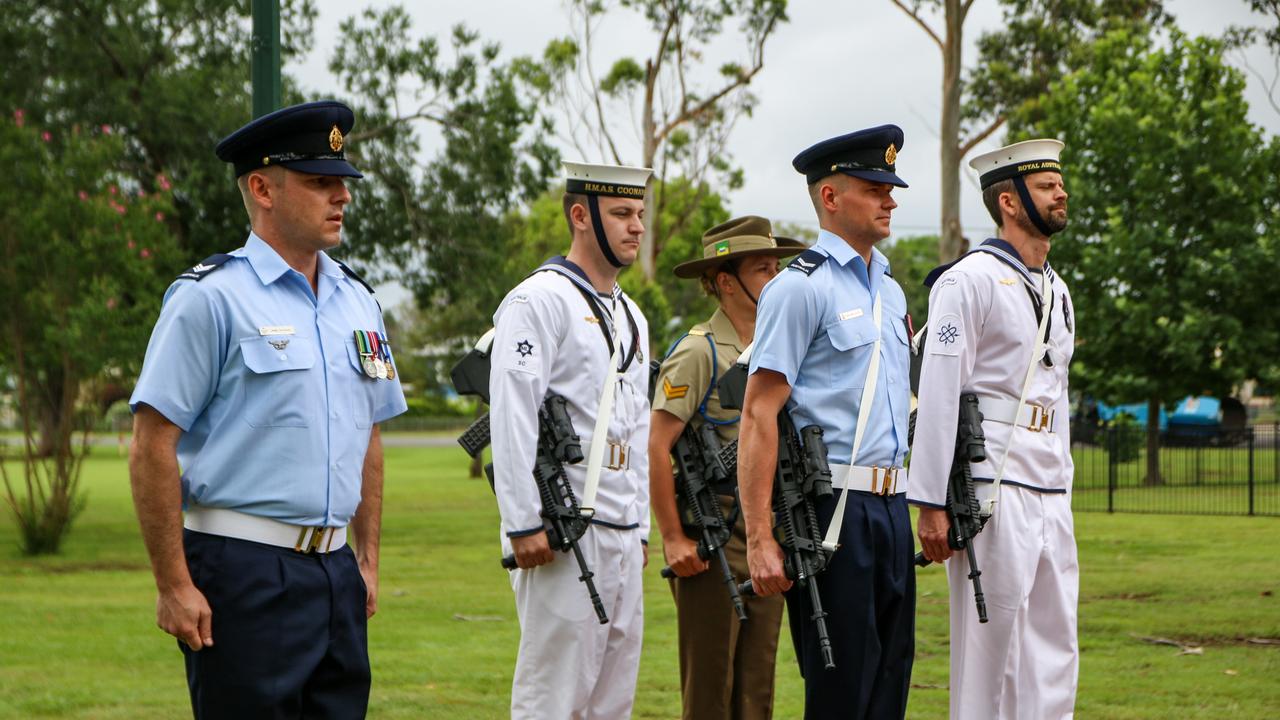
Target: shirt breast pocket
{"x":852,"y":341}
{"x":278,"y":391}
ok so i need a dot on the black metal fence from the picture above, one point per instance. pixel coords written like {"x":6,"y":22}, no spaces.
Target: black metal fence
{"x":1231,"y":472}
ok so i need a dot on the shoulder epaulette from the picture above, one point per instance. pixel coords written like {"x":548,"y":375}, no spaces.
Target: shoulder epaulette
{"x":202,"y":269}
{"x":807,"y":261}
{"x":936,"y":273}
{"x":352,"y":274}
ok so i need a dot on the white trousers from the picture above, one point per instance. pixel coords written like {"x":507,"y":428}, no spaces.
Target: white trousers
{"x":1024,"y":663}
{"x":569,"y":665}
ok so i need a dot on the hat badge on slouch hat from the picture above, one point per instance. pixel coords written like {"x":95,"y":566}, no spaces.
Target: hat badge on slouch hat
{"x":307,"y":138}
{"x":739,"y":237}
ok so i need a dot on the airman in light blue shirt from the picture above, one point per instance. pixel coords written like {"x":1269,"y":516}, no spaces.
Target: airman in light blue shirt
{"x":817,"y":330}
{"x":255,"y":440}
{"x":831,"y":350}
{"x":266,"y":381}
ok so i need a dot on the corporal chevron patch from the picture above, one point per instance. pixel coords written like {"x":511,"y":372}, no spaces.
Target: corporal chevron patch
{"x":674,"y":392}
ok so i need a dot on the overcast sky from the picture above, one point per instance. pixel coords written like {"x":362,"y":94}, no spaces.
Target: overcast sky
{"x":834,"y":68}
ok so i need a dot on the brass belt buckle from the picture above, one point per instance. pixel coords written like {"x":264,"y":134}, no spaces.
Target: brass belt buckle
{"x":310,"y":544}
{"x":1041,"y":419}
{"x":887,"y":482}
{"x":619,"y":458}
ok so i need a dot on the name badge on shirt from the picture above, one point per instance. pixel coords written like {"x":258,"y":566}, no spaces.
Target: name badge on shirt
{"x":276,"y":330}
{"x":851,"y":314}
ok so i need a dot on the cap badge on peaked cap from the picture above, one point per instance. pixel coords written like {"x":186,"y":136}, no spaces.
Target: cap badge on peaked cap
{"x":891,"y":154}
{"x":335,"y":139}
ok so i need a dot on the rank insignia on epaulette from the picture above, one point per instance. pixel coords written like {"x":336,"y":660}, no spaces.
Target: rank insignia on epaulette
{"x":808,"y":261}
{"x":201,"y":270}
{"x":673,"y":392}
{"x":1008,"y":281}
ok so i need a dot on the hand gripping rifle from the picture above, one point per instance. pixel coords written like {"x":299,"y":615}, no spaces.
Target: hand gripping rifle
{"x":802,"y":479}
{"x":558,"y":444}
{"x":701,"y":465}
{"x":699,"y":470}
{"x":962,"y":502}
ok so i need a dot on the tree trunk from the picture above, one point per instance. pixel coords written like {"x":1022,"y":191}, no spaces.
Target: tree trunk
{"x":648,"y":242}
{"x":52,"y":413}
{"x":1153,"y":444}
{"x":951,"y":236}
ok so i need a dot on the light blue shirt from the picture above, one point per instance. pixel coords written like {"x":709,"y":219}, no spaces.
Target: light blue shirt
{"x":264,"y":378}
{"x":817,"y":330}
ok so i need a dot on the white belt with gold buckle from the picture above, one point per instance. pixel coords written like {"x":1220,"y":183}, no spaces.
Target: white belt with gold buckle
{"x":1035,"y":418}
{"x":875,"y":480}
{"x":242,"y":526}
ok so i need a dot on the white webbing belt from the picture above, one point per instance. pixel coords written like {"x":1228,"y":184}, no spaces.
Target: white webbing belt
{"x":877,"y":480}
{"x":242,"y":526}
{"x":1034,"y":417}
{"x":600,"y":435}
{"x":1037,"y":352}
{"x":864,"y":414}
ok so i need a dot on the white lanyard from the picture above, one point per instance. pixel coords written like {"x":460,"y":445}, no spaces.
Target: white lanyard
{"x":864,"y":414}
{"x":599,"y":436}
{"x":1037,"y":352}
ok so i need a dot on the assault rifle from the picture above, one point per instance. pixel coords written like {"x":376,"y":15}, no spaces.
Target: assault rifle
{"x":558,"y":444}
{"x":802,"y":479}
{"x":962,"y":502}
{"x":699,"y":469}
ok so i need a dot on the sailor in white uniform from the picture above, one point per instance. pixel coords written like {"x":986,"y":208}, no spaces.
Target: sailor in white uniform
{"x":1001,"y":325}
{"x":568,"y":329}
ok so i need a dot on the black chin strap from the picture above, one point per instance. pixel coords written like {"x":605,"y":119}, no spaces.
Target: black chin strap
{"x":1030,"y":207}
{"x":593,"y":204}
{"x":744,"y":288}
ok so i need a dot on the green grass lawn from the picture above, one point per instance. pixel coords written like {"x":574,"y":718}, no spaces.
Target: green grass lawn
{"x":78,"y":636}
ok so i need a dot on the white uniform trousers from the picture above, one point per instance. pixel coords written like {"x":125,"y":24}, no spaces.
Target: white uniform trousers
{"x":569,"y":665}
{"x":1022,"y":664}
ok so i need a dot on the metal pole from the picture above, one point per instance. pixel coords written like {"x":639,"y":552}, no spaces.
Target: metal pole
{"x":1250,"y":435}
{"x":1111,"y":469}
{"x":266,"y":56}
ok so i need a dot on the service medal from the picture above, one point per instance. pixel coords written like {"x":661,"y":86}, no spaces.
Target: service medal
{"x":381,"y":368}
{"x":386,"y":355}
{"x":366,"y":361}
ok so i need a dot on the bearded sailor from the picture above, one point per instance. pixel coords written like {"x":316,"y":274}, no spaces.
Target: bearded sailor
{"x":1001,"y":325}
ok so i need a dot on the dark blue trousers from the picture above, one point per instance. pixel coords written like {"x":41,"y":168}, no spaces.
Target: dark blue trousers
{"x":289,"y":632}
{"x":869,"y":594}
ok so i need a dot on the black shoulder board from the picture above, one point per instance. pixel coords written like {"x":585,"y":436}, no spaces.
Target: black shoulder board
{"x":202,"y":269}
{"x":352,"y":274}
{"x":807,"y":261}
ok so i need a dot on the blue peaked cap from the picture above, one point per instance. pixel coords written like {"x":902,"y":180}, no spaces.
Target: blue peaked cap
{"x":868,"y":154}
{"x":308,"y":138}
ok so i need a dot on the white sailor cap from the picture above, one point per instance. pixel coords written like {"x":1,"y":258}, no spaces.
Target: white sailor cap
{"x":608,"y":180}
{"x":1020,"y":158}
